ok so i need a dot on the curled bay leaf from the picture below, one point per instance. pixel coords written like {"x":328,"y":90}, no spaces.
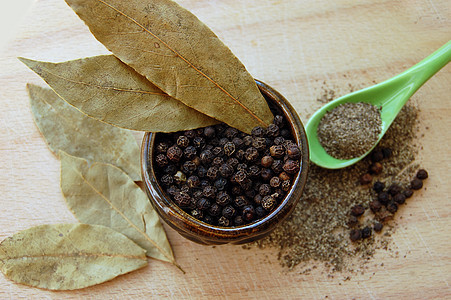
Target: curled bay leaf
{"x":178,"y":53}
{"x":108,"y":90}
{"x":102,"y":194}
{"x":68,"y":256}
{"x":65,"y":128}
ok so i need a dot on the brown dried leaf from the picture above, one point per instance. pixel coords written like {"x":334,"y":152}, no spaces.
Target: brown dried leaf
{"x":65,"y":128}
{"x":102,"y":194}
{"x":68,"y":256}
{"x":179,"y":54}
{"x":110,"y":91}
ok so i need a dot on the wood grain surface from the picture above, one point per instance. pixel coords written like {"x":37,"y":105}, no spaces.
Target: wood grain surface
{"x":301,"y":48}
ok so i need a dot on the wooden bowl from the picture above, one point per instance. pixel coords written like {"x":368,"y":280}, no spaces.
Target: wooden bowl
{"x":207,"y":234}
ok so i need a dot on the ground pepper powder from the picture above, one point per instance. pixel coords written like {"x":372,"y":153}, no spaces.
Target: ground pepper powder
{"x":319,"y":227}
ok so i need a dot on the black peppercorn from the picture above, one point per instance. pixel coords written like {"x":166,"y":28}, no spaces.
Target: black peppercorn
{"x":352,"y":221}
{"x":179,"y":177}
{"x":254,"y":171}
{"x":197,"y":194}
{"x":170,"y":169}
{"x":277,"y":151}
{"x":291,"y":166}
{"x":214,"y":210}
{"x":237,"y":142}
{"x":272,"y":130}
{"x":225,"y":170}
{"x":223,"y":221}
{"x":294,"y":152}
{"x":161,"y":160}
{"x":201,"y":171}
{"x":279,"y":121}
{"x":228,"y":211}
{"x":182,"y":141}
{"x":378,"y":226}
{"x":366,"y":178}
{"x":174,"y":153}
{"x":182,"y":199}
{"x":258,"y":131}
{"x":190,"y":152}
{"x":223,"y":198}
{"x":162,"y":147}
{"x":189,"y":133}
{"x":279,"y":141}
{"x":378,"y":186}
{"x":189,"y":167}
{"x":209,"y":192}
{"x":240,"y":202}
{"x":167,"y":180}
{"x":229,"y":148}
{"x":218,"y":151}
{"x":277,"y":166}
{"x":193,"y":181}
{"x":240,"y":154}
{"x":230,"y":133}
{"x":217,"y":161}
{"x":268,"y":202}
{"x":284,"y":176}
{"x":220,"y":184}
{"x":248,"y":213}
{"x":260,"y":211}
{"x":197,"y":213}
{"x":238,"y":221}
{"x":286,"y":185}
{"x":275,"y":182}
{"x":250,"y":193}
{"x":173,"y":190}
{"x":265,"y":189}
{"x":266,"y":174}
{"x":223,"y":141}
{"x":208,"y":219}
{"x":394,"y":189}
{"x":375,"y":206}
{"x":366,"y":232}
{"x":377,"y":155}
{"x":233,"y":162}
{"x":399,"y":198}
{"x":247,"y":140}
{"x":199,"y":142}
{"x":357,"y":210}
{"x":259,"y":143}
{"x":242,"y":167}
{"x":203,"y":203}
{"x":408,"y":193}
{"x":392,"y":207}
{"x":422,"y":174}
{"x":206,"y":157}
{"x":266,"y":161}
{"x":383,"y":197}
{"x":212,"y":173}
{"x":416,"y":184}
{"x":237,"y":190}
{"x":209,"y":132}
{"x":355,"y":235}
{"x":376,"y":168}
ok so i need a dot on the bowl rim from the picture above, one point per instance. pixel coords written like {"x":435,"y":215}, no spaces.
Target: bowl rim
{"x":179,"y":219}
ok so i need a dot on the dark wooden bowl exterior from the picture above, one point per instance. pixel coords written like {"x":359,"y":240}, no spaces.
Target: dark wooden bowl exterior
{"x":207,"y":234}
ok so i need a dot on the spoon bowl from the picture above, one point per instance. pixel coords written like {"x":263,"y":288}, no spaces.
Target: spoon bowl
{"x":390,"y":96}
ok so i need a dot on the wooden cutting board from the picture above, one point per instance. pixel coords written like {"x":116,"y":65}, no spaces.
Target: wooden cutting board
{"x":301,"y":48}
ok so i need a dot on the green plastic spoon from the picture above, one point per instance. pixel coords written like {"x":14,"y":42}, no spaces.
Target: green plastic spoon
{"x":390,"y":96}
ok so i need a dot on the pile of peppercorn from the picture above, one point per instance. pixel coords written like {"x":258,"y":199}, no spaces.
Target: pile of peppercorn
{"x":224,"y":177}
{"x":386,"y":201}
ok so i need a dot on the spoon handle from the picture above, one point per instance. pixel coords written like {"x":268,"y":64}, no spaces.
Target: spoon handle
{"x":425,"y":69}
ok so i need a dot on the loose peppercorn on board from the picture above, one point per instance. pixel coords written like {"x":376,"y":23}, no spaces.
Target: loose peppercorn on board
{"x":302,"y":49}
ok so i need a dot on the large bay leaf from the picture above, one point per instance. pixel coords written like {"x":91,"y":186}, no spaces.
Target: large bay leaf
{"x":102,"y":194}
{"x":68,"y":256}
{"x":179,"y":54}
{"x":110,"y":91}
{"x":65,"y":128}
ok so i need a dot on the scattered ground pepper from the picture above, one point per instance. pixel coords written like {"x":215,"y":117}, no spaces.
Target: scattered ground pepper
{"x":319,"y":228}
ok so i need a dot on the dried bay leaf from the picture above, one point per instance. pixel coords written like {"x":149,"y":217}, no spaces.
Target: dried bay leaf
{"x":179,"y":54}
{"x":68,"y":256}
{"x":102,"y":194}
{"x":65,"y":128}
{"x":110,"y":91}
